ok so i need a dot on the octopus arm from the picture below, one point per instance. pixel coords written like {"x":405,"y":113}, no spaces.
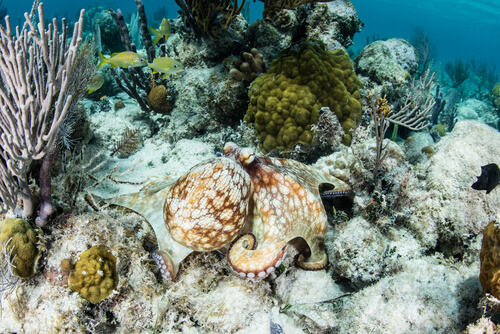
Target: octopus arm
{"x":248,"y":261}
{"x":312,"y":252}
{"x":149,"y":204}
{"x":311,"y":178}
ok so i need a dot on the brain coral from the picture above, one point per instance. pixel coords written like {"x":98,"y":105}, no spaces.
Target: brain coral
{"x":490,"y":260}
{"x":95,"y":274}
{"x":23,"y":239}
{"x":285,"y":101}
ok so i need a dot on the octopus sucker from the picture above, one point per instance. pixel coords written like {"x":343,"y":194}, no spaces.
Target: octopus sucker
{"x":165,"y":265}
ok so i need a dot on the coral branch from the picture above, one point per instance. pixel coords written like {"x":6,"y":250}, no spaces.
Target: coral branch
{"x":272,"y":6}
{"x":203,"y":13}
{"x":415,"y":112}
{"x":137,"y":75}
{"x":35,"y":69}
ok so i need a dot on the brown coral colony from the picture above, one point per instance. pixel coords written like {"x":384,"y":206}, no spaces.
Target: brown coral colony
{"x":249,"y":66}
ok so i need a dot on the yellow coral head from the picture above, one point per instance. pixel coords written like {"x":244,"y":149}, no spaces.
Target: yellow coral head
{"x":95,"y":275}
{"x":21,"y":239}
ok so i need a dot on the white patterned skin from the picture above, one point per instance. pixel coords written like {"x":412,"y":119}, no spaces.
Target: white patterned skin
{"x":286,"y":206}
{"x":206,"y":208}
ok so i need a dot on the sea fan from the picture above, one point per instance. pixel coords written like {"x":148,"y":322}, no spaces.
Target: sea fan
{"x":129,"y":143}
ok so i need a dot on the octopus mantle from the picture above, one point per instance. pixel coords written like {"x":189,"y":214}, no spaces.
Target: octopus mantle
{"x":253,"y":205}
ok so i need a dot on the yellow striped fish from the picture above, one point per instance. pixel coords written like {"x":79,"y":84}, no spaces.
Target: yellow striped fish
{"x":96,"y":82}
{"x":124,"y":59}
{"x":165,"y":65}
{"x":163,"y":31}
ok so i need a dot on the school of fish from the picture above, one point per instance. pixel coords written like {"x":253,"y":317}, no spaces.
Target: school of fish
{"x":126,"y":59}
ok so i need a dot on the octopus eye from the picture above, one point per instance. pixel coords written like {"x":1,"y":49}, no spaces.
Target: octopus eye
{"x":247,"y":156}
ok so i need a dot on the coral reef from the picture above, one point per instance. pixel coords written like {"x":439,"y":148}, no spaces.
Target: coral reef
{"x":105,"y":34}
{"x":204,"y":11}
{"x":285,"y":101}
{"x":392,"y":293}
{"x":249,"y":66}
{"x":495,"y":95}
{"x":32,"y":113}
{"x":459,"y":156}
{"x":269,"y":39}
{"x":401,"y":254}
{"x":333,"y":23}
{"x":94,"y":276}
{"x":273,"y":6}
{"x":160,"y":100}
{"x":385,"y":67}
{"x":24,"y":240}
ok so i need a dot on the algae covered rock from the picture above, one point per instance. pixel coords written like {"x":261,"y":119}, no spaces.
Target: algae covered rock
{"x":385,"y":67}
{"x":285,"y":101}
{"x":95,"y":274}
{"x":19,"y":235}
{"x":334,"y":23}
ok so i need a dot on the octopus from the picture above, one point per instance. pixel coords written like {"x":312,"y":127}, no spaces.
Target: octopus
{"x":250,"y":207}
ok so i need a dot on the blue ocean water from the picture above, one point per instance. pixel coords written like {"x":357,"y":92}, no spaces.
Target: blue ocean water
{"x":459,"y":29}
{"x":71,"y":9}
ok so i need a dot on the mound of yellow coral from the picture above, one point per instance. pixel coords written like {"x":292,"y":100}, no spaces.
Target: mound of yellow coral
{"x":285,"y":101}
{"x":22,"y":238}
{"x":490,"y":260}
{"x":95,"y":274}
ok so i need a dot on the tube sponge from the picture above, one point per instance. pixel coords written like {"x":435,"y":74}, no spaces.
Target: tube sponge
{"x":95,"y":274}
{"x":23,"y":239}
{"x":285,"y":101}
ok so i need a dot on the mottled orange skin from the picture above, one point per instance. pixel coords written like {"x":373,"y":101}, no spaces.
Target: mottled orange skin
{"x":206,"y":208}
{"x":286,"y":205}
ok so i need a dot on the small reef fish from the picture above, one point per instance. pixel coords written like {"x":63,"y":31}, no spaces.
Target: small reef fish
{"x":165,"y":65}
{"x":123,"y":59}
{"x":96,"y":82}
{"x":489,"y":178}
{"x":163,"y":31}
